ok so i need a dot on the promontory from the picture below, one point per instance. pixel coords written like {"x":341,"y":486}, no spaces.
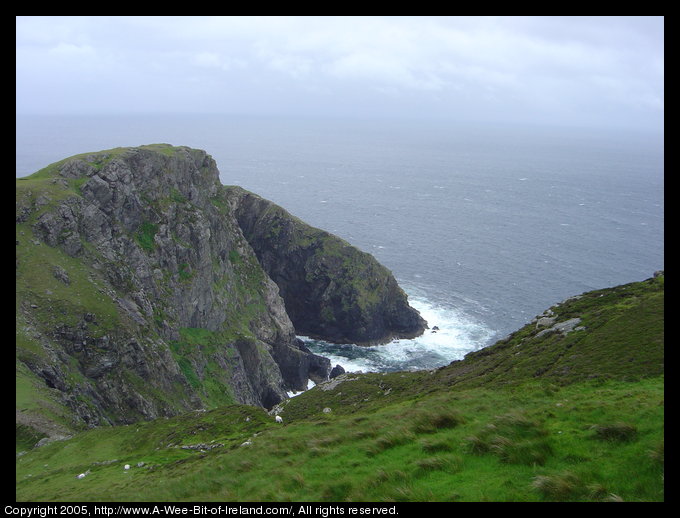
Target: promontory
{"x":146,"y":288}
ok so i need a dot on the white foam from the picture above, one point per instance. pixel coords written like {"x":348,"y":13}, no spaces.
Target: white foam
{"x":293,"y":393}
{"x":457,"y":335}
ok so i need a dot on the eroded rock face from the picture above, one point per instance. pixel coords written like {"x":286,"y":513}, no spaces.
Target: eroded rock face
{"x":154,"y":303}
{"x":331,"y":289}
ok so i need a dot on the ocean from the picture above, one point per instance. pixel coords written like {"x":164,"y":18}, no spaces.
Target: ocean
{"x":483,"y":226}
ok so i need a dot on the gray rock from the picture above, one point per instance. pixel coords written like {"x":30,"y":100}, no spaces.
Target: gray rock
{"x":562,"y":327}
{"x":567,"y":326}
{"x":48,"y":440}
{"x":332,"y":384}
{"x":336,"y":371}
{"x":545,"y":321}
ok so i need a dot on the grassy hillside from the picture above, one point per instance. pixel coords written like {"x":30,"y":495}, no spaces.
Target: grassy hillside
{"x":575,"y":413}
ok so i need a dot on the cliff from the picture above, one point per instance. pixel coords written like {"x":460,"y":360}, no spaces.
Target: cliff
{"x":139,"y":296}
{"x":331,"y":289}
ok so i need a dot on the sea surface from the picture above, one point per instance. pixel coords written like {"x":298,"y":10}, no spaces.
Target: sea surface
{"x":483,"y":226}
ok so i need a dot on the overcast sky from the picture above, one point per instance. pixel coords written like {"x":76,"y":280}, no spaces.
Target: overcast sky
{"x":578,"y":71}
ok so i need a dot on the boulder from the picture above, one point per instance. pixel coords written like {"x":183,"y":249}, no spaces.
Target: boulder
{"x":336,"y":371}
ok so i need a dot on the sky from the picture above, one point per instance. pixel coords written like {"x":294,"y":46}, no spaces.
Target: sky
{"x":576,"y":71}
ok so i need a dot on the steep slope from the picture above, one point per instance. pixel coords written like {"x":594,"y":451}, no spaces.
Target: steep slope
{"x":609,"y":333}
{"x":331,"y":290}
{"x":138,"y":295}
{"x":477,"y":430}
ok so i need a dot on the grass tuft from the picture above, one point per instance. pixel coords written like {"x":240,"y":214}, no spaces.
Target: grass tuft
{"x":561,"y":486}
{"x":435,"y":445}
{"x":436,"y":419}
{"x":617,"y":432}
{"x":440,"y":463}
{"x":657,"y":455}
{"x":390,"y":440}
{"x":514,"y":439}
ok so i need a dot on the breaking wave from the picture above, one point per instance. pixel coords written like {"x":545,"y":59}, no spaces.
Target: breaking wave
{"x":451,"y":335}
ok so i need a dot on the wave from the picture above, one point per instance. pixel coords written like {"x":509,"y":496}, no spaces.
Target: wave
{"x":451,"y":336}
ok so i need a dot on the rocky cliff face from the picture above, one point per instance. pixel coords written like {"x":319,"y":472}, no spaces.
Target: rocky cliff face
{"x":331,"y":289}
{"x":140,"y":294}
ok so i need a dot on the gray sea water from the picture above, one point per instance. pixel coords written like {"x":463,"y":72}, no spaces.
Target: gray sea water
{"x":483,"y":226}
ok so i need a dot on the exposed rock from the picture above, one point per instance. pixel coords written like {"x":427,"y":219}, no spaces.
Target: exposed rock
{"x":48,"y":440}
{"x":567,"y":326}
{"x":336,"y":371}
{"x":545,"y":321}
{"x":332,"y":384}
{"x":60,"y":274}
{"x":200,"y":447}
{"x":563,"y":327}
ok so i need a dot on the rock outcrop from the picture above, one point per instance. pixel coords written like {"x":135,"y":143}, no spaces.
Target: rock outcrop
{"x":144,"y":289}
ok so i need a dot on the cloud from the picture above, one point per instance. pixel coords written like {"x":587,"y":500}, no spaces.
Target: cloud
{"x":432,"y":66}
{"x":71,"y":50}
{"x":217,"y":61}
{"x":383,"y":70}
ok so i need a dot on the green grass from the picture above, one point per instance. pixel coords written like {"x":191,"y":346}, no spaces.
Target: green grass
{"x":453,"y":434}
{"x":194,"y":353}
{"x":185,"y":272}
{"x":234,"y":257}
{"x":145,"y":235}
{"x":57,"y":301}
{"x":534,"y":446}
